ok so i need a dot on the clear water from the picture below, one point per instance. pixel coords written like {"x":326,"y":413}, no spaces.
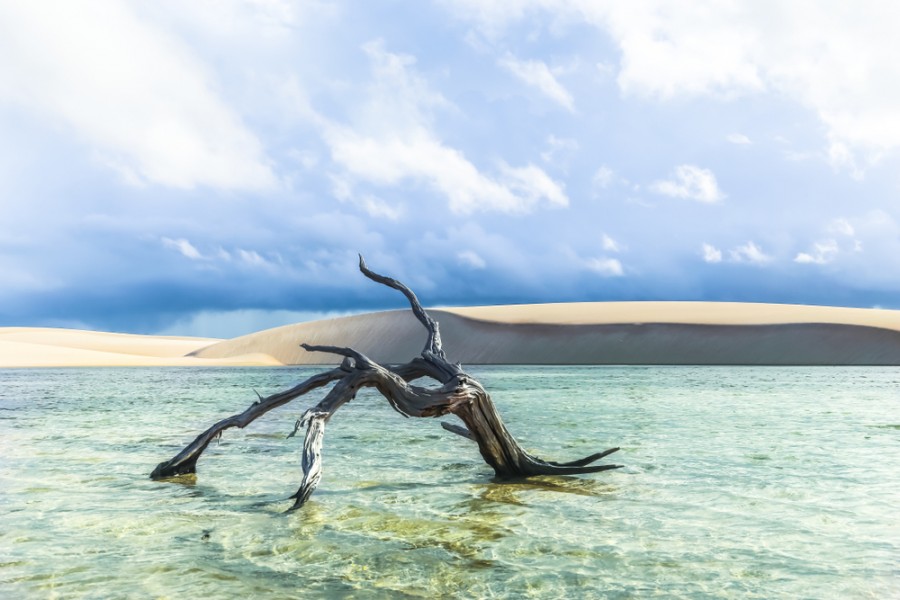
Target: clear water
{"x":739,"y":482}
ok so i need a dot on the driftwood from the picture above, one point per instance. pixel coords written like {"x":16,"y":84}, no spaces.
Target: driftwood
{"x":457,"y":394}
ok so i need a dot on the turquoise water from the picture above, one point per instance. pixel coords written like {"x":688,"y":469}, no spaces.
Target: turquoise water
{"x":739,"y":483}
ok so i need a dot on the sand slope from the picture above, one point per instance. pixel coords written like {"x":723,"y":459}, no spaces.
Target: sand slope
{"x":47,"y":347}
{"x":601,"y":333}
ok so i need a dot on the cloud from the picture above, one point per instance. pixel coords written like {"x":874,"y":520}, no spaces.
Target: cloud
{"x":840,"y":157}
{"x":738,"y":139}
{"x":537,"y":74}
{"x":249,"y":19}
{"x":532,"y":185}
{"x":432,"y":165}
{"x":607,"y":267}
{"x":822,"y":253}
{"x":841,"y":226}
{"x":418,"y":156}
{"x":184,"y":247}
{"x":610,"y":245}
{"x":835,"y":59}
{"x":396,"y":144}
{"x":560,"y":149}
{"x":376,"y":207}
{"x":811,"y":57}
{"x":239,"y":256}
{"x":750,"y":253}
{"x":342,"y":189}
{"x":603,"y":177}
{"x":471,"y":259}
{"x":145,"y":104}
{"x":711,"y":254}
{"x":691,"y":182}
{"x":252,"y":258}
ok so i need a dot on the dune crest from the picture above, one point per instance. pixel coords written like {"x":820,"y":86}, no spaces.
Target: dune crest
{"x":702,"y":333}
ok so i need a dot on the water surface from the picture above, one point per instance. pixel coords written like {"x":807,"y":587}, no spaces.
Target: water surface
{"x":739,"y":482}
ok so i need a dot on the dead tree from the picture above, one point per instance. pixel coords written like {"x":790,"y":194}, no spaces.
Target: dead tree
{"x":457,"y":393}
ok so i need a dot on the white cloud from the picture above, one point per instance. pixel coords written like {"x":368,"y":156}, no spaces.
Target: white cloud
{"x":184,"y":247}
{"x":822,"y":253}
{"x":610,"y":245}
{"x":532,"y":185}
{"x":691,"y":182}
{"x":739,"y":139}
{"x":230,"y":19}
{"x":840,"y":157}
{"x":750,"y":253}
{"x":394,"y":143}
{"x":342,"y":189}
{"x":305,"y":158}
{"x":397,"y":97}
{"x":605,"y":68}
{"x":252,"y":258}
{"x":471,"y":259}
{"x":378,"y":208}
{"x":836,"y":59}
{"x":420,"y":157}
{"x":559,"y":150}
{"x":871,"y":256}
{"x":711,"y":254}
{"x":137,"y":96}
{"x":841,"y":226}
{"x":607,"y":267}
{"x":537,"y":74}
{"x":238,"y":256}
{"x":603,"y":177}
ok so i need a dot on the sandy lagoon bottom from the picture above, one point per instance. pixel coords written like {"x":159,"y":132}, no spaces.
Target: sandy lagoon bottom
{"x":739,"y":482}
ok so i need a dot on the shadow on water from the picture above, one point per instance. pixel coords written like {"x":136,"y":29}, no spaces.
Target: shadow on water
{"x":511,"y":492}
{"x":234,"y":501}
{"x":482,"y":492}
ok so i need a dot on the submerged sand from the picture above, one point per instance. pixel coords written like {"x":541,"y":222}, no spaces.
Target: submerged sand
{"x":702,"y":333}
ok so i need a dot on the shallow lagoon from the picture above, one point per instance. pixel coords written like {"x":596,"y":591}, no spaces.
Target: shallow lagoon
{"x":739,"y":482}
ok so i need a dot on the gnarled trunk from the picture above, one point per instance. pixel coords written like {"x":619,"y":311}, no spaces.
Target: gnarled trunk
{"x":457,"y":393}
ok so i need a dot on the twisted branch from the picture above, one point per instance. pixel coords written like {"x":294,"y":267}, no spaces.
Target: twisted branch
{"x":457,"y":393}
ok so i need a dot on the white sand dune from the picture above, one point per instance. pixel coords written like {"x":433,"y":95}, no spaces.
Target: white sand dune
{"x":698,"y":313}
{"x":703,"y":333}
{"x":47,"y":347}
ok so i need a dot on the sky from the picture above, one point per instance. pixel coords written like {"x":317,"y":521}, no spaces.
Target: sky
{"x":214,"y":167}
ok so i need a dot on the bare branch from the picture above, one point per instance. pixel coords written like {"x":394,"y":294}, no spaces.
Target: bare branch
{"x":186,"y":460}
{"x":458,"y":430}
{"x":362,"y":361}
{"x":312,"y":456}
{"x":456,"y":393}
{"x":433,"y":346}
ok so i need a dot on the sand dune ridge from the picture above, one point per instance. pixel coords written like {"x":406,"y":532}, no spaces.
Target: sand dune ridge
{"x":702,"y":333}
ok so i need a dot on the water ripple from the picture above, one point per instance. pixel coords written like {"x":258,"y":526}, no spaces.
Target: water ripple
{"x":739,"y":483}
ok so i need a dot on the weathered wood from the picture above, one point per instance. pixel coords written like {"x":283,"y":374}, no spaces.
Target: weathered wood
{"x":457,"y":393}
